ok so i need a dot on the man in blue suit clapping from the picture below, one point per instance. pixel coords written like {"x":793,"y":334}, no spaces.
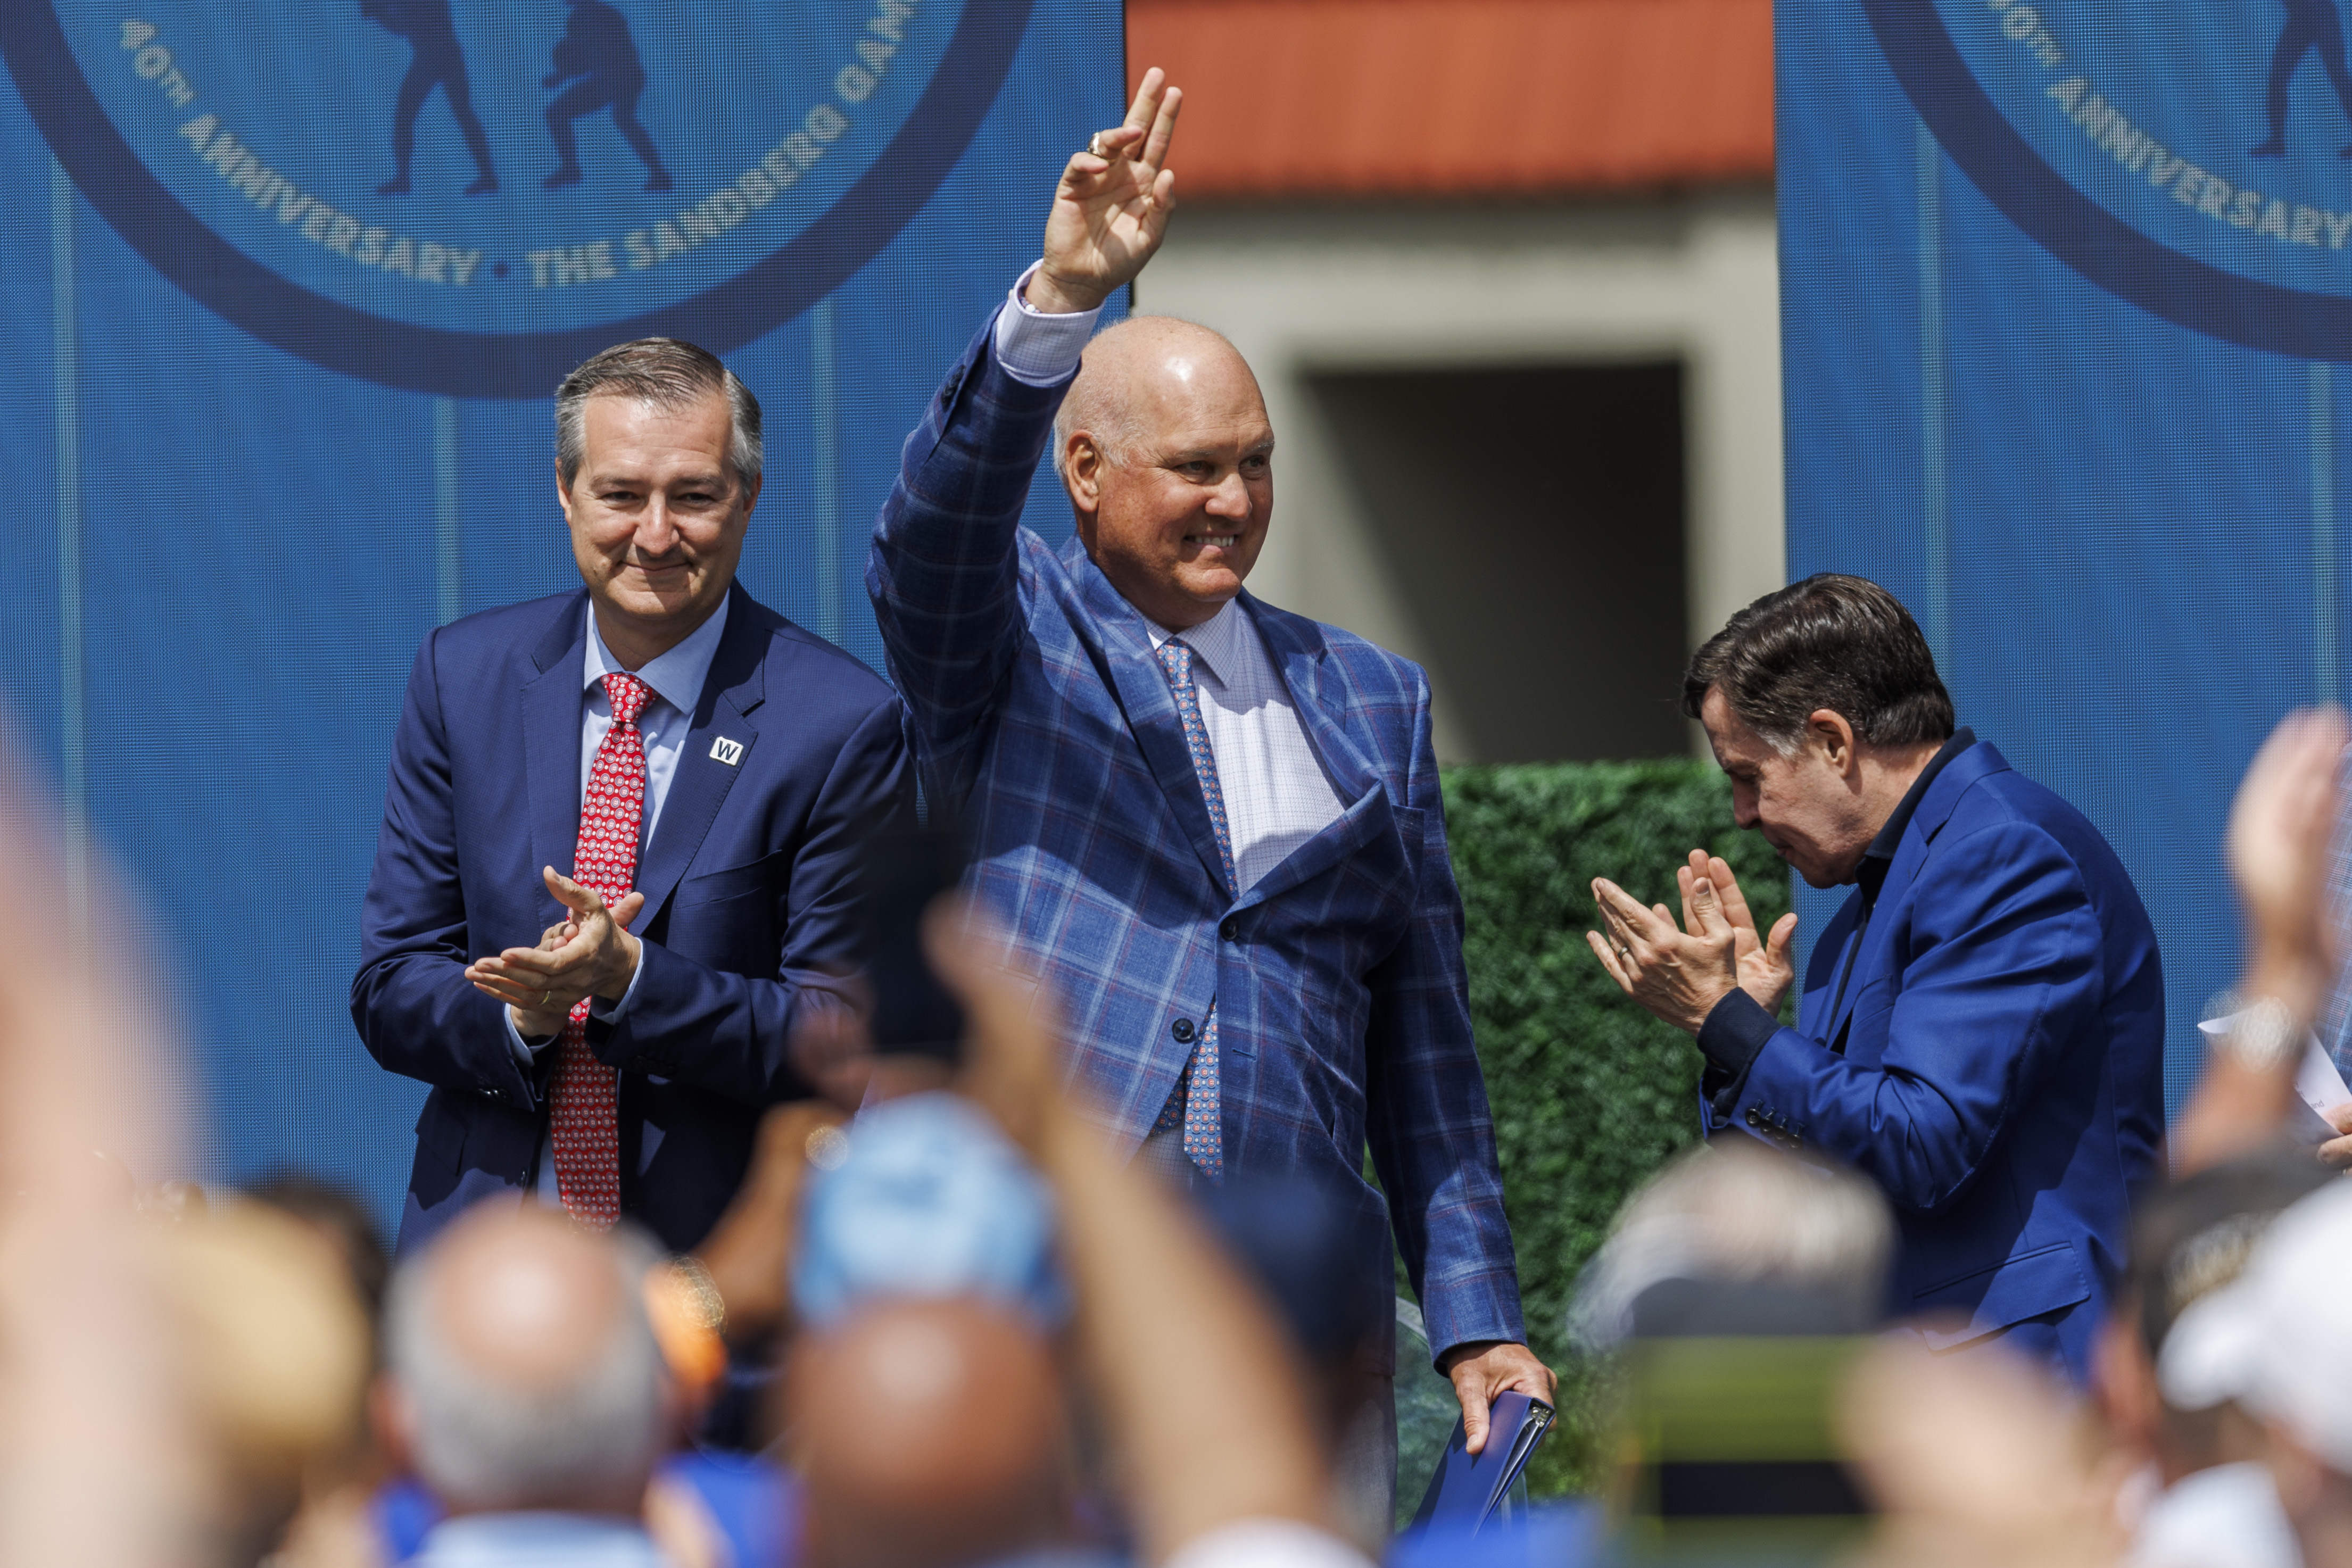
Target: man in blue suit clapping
{"x":621,"y":831}
{"x":1981,"y":1031}
{"x":1214,"y":827}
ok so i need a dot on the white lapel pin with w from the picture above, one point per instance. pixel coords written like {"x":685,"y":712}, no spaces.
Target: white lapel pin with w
{"x":730,"y":752}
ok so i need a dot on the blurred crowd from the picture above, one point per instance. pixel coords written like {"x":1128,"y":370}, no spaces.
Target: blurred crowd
{"x":943,"y":1325}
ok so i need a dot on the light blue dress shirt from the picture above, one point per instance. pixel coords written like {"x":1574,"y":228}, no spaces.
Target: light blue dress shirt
{"x":677,"y":678}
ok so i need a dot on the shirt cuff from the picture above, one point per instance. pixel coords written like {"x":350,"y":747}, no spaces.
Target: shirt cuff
{"x":603,"y":1011}
{"x":1037,"y":349}
{"x":525,"y":1053}
{"x":1735,"y":1032}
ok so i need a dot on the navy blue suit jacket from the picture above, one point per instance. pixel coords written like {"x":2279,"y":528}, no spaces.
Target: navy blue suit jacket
{"x":1044,"y":717}
{"x":2001,"y":1075}
{"x":747,"y":881}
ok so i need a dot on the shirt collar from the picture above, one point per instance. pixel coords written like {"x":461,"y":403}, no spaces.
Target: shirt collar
{"x":1879,"y":858}
{"x":1216,"y":643}
{"x":675,"y":676}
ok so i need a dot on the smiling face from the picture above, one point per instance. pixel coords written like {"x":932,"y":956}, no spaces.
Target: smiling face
{"x":1171,"y":471}
{"x":1813,"y":805}
{"x":658,"y":518}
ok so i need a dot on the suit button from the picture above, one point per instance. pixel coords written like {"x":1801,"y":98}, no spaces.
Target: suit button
{"x":1231,"y":930}
{"x":1182,"y":1029}
{"x":1753,"y":1119}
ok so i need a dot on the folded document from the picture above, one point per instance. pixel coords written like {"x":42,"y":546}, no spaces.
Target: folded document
{"x":2318,"y":1086}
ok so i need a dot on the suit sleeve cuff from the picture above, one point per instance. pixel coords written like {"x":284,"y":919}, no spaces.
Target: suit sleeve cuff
{"x":526,"y":1052}
{"x":1037,"y":349}
{"x":1735,"y":1034}
{"x":610,"y":1012}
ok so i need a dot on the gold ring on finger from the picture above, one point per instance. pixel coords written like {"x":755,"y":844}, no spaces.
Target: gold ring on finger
{"x":545,"y":998}
{"x":1093,"y":145}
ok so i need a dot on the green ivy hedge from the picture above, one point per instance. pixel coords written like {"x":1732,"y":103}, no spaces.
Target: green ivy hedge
{"x":1590,"y":1095}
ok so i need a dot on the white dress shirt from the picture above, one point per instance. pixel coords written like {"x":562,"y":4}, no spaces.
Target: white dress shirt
{"x":1276,"y":794}
{"x":676,"y":678}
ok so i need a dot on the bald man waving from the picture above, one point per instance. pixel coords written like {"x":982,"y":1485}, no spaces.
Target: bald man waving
{"x":1214,"y":826}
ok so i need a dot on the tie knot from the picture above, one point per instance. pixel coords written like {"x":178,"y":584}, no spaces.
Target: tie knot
{"x":1176,"y":658}
{"x":627,"y":694}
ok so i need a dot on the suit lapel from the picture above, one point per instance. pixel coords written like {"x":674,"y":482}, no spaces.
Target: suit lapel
{"x":1865,"y":963}
{"x":1125,"y":657}
{"x":1318,"y":695}
{"x":736,"y":685}
{"x":1934,"y":809}
{"x":550,"y":739}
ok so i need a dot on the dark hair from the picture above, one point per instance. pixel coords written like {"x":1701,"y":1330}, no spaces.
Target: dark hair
{"x":2193,"y":1236}
{"x":1831,"y":641}
{"x":338,"y":1212}
{"x":668,"y":373}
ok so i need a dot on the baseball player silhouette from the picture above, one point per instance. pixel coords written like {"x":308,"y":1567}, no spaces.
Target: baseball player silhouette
{"x":597,"y":66}
{"x":2313,"y":26}
{"x":437,"y":59}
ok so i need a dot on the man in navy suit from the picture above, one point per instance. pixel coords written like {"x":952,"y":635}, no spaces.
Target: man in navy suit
{"x":1982,"y":1025}
{"x":1213,"y":826}
{"x":614,"y":1051}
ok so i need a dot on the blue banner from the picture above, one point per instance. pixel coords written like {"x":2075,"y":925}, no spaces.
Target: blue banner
{"x":288,"y":290}
{"x":2067,"y":295}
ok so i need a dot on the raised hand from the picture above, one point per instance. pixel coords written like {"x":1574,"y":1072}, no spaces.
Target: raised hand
{"x":1110,"y":211}
{"x":1767,"y":965}
{"x":2279,"y":825}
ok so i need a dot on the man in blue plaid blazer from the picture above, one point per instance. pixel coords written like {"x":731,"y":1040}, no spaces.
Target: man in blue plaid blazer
{"x":1213,"y":826}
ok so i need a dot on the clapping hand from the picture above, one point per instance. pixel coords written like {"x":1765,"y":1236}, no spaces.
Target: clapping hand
{"x":1110,"y":211}
{"x":1767,"y":965}
{"x":1679,"y":973}
{"x":589,"y":954}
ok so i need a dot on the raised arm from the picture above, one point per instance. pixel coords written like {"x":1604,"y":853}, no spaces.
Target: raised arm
{"x":943,"y":571}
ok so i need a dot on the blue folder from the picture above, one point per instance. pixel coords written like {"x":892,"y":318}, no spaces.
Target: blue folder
{"x":1467,"y":1486}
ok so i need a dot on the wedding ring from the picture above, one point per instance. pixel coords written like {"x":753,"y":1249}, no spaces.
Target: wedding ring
{"x":1093,"y":145}
{"x":545,"y":997}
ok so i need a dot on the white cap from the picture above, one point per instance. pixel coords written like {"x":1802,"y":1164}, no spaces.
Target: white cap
{"x":2279,"y":1339}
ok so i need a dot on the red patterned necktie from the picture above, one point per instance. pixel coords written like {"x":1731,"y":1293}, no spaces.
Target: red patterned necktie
{"x":587,"y":1126}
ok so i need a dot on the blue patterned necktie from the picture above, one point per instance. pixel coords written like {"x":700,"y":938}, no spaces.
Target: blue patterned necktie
{"x":1204,"y":1137}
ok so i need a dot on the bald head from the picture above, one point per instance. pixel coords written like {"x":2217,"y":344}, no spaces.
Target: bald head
{"x":1164,"y":446}
{"x":1131,"y":374}
{"x":931,"y":1434}
{"x":526,"y":1371}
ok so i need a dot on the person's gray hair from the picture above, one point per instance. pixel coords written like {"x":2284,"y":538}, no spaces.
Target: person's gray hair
{"x":481,"y":1443}
{"x":668,"y":375}
{"x":1737,"y":1211}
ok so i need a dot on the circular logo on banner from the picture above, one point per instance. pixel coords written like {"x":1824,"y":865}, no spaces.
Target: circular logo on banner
{"x":2194,"y":158}
{"x":468,"y":198}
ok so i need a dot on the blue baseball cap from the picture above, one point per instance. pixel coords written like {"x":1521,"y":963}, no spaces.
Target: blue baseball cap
{"x":933,"y":1201}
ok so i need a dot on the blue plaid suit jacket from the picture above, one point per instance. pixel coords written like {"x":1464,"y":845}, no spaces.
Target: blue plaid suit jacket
{"x":1042,"y":718}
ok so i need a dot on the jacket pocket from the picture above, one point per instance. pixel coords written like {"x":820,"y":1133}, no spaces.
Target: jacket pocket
{"x":2042,"y":1280}
{"x":713,"y":887}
